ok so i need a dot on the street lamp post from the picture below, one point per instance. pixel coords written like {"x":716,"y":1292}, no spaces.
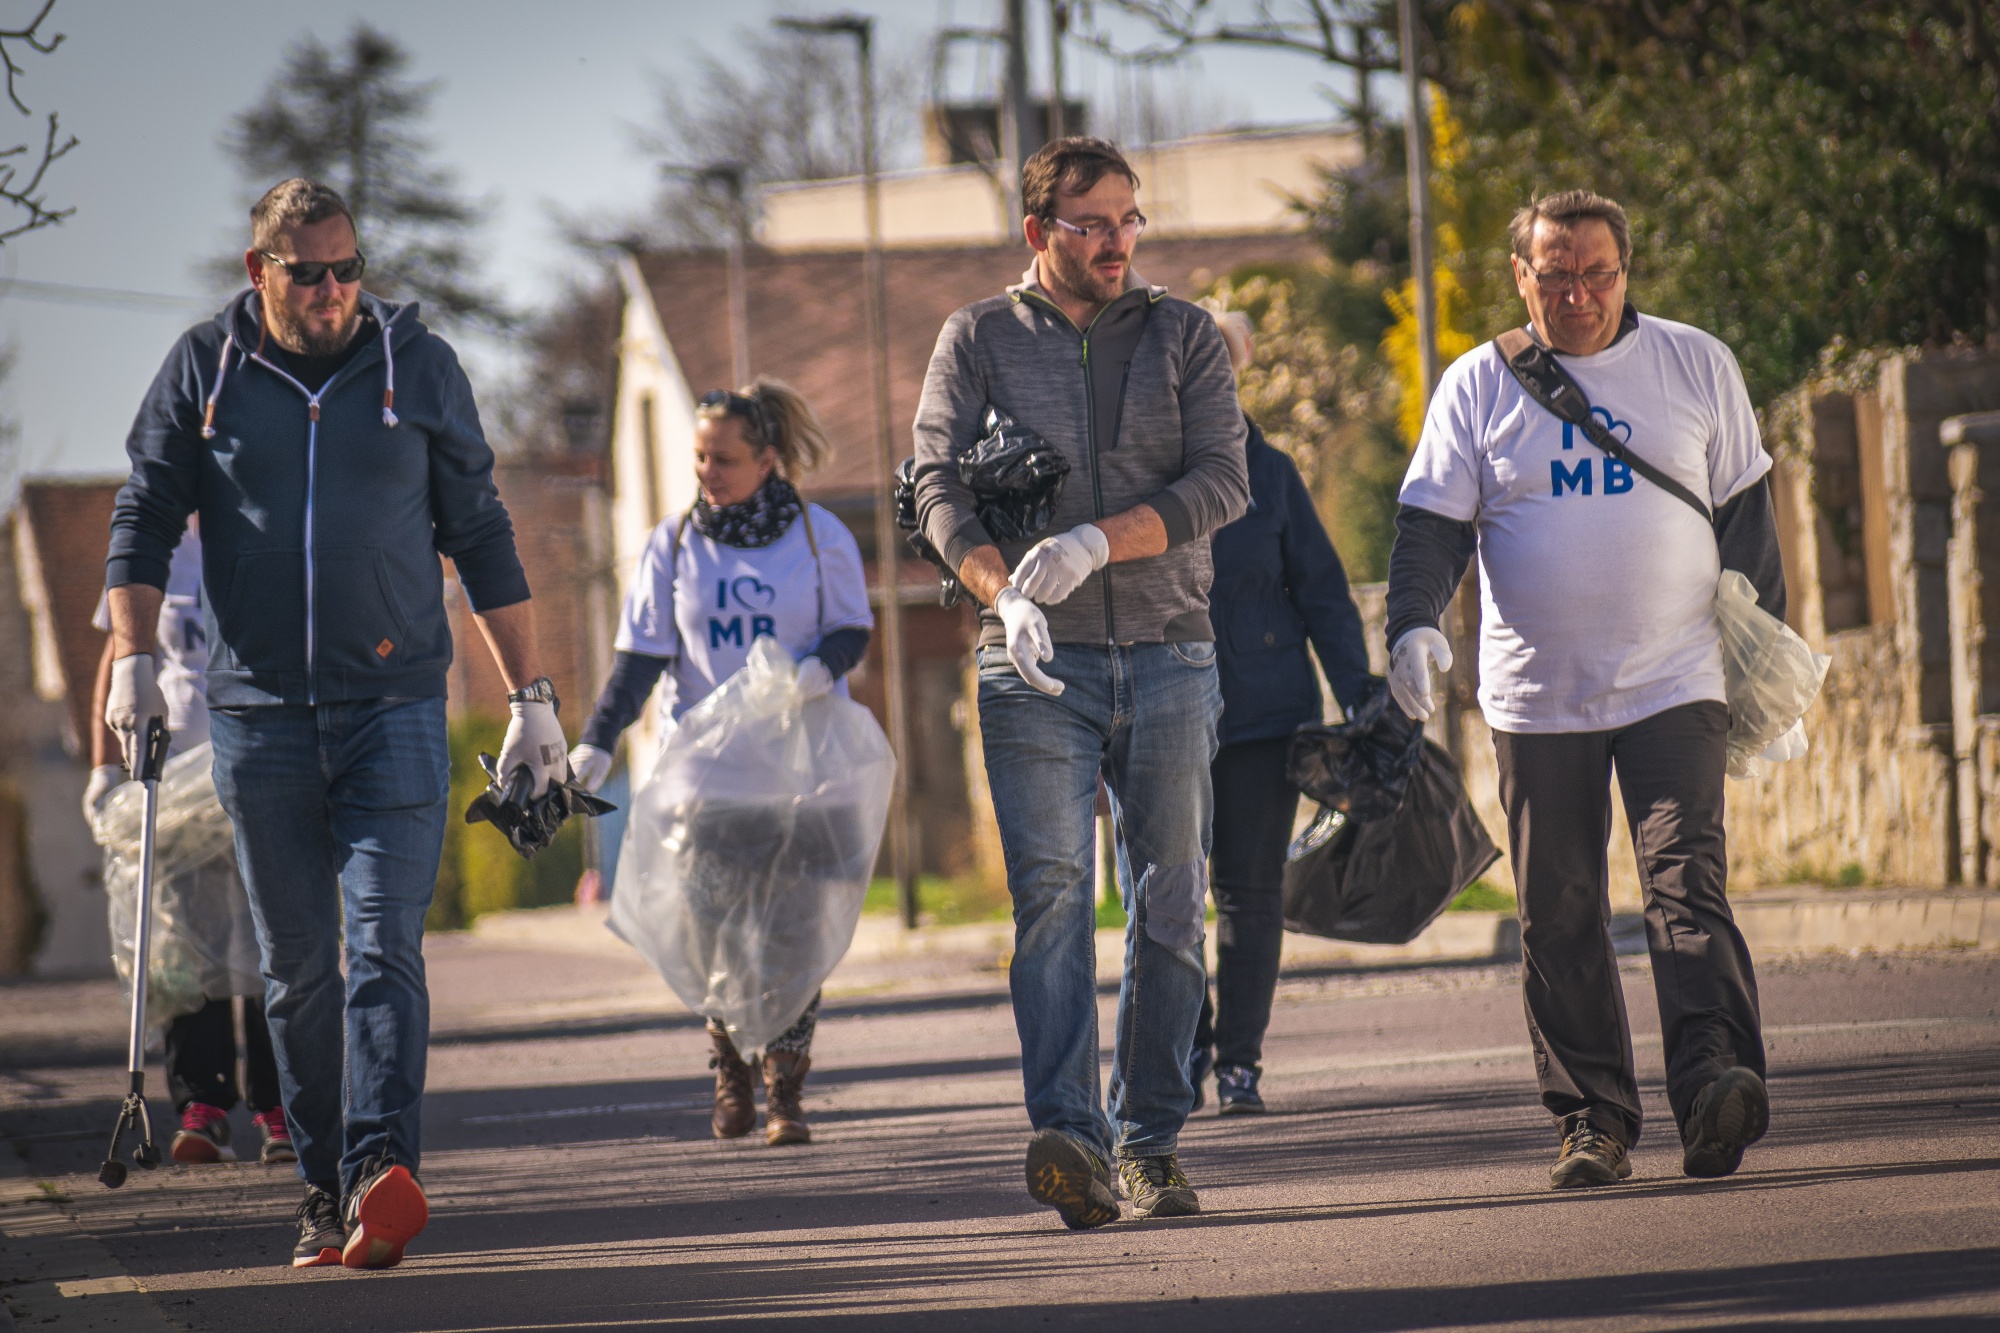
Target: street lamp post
{"x":1420,"y":204}
{"x":729,"y":175}
{"x":902,"y":853}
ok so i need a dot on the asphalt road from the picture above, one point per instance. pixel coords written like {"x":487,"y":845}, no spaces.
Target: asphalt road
{"x":1400,"y":1184}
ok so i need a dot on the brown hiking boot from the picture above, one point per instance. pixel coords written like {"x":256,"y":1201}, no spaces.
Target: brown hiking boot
{"x":784,"y":1079}
{"x":735,"y":1102}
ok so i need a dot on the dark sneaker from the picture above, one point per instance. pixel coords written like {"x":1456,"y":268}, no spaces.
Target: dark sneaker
{"x":321,"y":1237}
{"x":1156,"y":1187}
{"x":384,"y":1213}
{"x":1070,"y":1178}
{"x":1236,"y":1090}
{"x":1199,"y":1064}
{"x":1729,"y":1115}
{"x":277,"y":1137}
{"x":203,"y":1136}
{"x":1589,"y":1157}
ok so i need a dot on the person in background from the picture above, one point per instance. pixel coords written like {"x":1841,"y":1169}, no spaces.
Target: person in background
{"x":1279,"y":585}
{"x":201,"y":1046}
{"x":332,"y":447}
{"x":750,"y":558}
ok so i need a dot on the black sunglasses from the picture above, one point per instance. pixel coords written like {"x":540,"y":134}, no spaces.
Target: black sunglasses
{"x":311,"y":272}
{"x":741,"y":405}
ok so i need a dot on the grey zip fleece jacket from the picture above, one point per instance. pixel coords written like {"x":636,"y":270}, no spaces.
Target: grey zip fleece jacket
{"x":1142,"y":403}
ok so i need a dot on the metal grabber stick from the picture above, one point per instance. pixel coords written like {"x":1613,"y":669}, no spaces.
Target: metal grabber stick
{"x":145,"y":765}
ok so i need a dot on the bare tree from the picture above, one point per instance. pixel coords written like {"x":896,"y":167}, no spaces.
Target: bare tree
{"x":350,"y":117}
{"x":781,"y":110}
{"x":20,"y":188}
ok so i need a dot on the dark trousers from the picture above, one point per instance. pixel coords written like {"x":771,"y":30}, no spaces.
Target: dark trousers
{"x":1254,"y":808}
{"x":1556,"y":789}
{"x":201,"y":1057}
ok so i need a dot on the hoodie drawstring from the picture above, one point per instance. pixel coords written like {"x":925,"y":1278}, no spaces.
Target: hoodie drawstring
{"x":389,"y":388}
{"x":221,"y":372}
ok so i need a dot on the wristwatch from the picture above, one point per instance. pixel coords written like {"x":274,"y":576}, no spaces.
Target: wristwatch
{"x":541,"y":691}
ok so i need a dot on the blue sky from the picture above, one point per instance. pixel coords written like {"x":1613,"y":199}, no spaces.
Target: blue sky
{"x":534,"y":110}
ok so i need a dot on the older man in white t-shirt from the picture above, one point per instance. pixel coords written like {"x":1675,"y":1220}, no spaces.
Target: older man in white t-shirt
{"x":1599,"y":651}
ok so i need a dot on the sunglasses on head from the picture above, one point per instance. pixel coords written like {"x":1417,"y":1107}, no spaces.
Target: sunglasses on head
{"x":740,"y":405}
{"x":312,"y":272}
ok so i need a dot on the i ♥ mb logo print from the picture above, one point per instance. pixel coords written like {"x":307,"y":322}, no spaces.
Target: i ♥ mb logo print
{"x":753,"y":594}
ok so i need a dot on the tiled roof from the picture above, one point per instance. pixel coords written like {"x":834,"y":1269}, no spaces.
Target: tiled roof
{"x":65,"y":532}
{"x":807,"y":325}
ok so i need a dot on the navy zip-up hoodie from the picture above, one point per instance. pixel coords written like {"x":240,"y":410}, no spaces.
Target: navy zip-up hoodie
{"x":1278,"y":583}
{"x":322,"y":515}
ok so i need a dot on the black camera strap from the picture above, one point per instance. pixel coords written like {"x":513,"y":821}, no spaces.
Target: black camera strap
{"x":1550,"y":385}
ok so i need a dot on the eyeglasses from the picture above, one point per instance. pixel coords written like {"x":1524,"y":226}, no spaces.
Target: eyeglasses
{"x":1131,"y":226}
{"x":312,"y":272}
{"x":1558,"y":282}
{"x":724,"y":402}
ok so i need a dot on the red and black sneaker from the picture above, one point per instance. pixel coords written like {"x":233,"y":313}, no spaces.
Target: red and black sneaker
{"x":277,"y":1137}
{"x":320,"y":1234}
{"x":203,"y":1136}
{"x":384,"y":1213}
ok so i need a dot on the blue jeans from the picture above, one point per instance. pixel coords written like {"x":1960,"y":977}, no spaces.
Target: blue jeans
{"x":1144,"y":716}
{"x":339,"y":812}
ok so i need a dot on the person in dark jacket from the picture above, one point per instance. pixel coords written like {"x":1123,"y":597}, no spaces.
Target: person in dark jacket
{"x":330,"y":444}
{"x":1279,"y":585}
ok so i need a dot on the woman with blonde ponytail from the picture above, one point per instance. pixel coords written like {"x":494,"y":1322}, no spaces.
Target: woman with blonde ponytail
{"x":750,"y":558}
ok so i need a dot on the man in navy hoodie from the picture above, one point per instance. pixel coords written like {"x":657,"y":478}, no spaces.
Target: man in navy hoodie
{"x":326,"y":499}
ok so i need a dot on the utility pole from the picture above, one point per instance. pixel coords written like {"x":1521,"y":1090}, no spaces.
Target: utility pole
{"x":729,"y":175}
{"x":902,"y":851}
{"x":1058,"y":31}
{"x":1015,"y":132}
{"x":1420,"y":204}
{"x":1364,"y":96}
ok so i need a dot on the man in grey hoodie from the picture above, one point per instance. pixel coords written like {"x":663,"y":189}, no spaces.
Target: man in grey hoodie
{"x":1096,"y":657}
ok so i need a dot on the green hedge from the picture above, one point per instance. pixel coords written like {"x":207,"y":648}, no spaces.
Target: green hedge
{"x":480,"y":872}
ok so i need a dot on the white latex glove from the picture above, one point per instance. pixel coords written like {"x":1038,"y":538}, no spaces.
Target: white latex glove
{"x":1791,"y":745}
{"x":591,"y":766}
{"x":534,"y":738}
{"x":1028,"y":642}
{"x":1055,"y":567}
{"x":135,"y":700}
{"x":104,"y":779}
{"x":1410,"y":663}
{"x":814,"y":679}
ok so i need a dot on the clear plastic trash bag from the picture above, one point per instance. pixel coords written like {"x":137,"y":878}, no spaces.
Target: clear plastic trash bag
{"x":749,"y":851}
{"x":204,"y":945}
{"x":1770,"y":674}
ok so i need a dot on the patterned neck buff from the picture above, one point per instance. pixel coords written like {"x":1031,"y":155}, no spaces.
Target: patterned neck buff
{"x":758,"y":521}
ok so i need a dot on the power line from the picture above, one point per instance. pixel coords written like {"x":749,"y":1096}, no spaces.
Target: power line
{"x":64,"y":293}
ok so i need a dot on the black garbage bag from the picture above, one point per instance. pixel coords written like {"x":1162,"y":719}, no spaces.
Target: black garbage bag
{"x":1382,"y":881}
{"x":1360,"y":767}
{"x":1016,"y":478}
{"x":530,"y":824}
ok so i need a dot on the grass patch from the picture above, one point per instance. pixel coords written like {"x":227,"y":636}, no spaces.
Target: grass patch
{"x":1852,"y":875}
{"x":942,"y":902}
{"x":1479,"y":896}
{"x":51,"y":1191}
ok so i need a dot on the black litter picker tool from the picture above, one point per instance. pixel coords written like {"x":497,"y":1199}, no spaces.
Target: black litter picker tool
{"x":530,"y":823}
{"x":145,"y":766}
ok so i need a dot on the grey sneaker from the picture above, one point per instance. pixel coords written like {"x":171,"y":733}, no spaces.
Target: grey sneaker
{"x":1157,"y":1187}
{"x":1729,"y":1115}
{"x":1589,"y":1157}
{"x":1070,"y":1178}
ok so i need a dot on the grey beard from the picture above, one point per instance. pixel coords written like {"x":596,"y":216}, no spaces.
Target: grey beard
{"x":295,"y":338}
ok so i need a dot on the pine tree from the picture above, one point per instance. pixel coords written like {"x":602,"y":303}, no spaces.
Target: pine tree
{"x":351,"y":117}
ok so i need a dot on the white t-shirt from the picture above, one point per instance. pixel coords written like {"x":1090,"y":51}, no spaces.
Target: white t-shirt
{"x":1597,"y":585}
{"x":702,"y":603}
{"x":183,"y":646}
